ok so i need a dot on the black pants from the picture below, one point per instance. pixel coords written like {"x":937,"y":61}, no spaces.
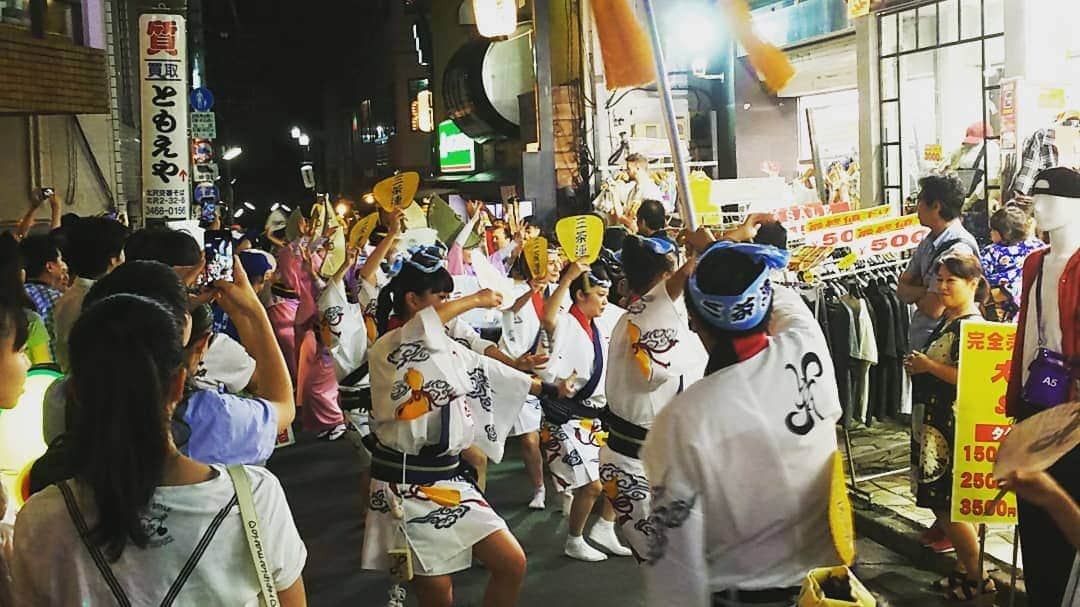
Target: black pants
{"x":1048,"y":556}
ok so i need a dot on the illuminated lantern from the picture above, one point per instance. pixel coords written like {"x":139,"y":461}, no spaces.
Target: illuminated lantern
{"x":425,"y":115}
{"x":22,"y":439}
{"x":495,"y":18}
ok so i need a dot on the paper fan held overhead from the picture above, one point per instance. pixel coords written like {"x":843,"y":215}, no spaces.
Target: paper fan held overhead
{"x":624,"y":45}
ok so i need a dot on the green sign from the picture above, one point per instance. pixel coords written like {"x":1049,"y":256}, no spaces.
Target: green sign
{"x":457,"y":151}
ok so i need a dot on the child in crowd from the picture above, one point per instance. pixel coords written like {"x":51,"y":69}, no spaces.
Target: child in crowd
{"x":1003,"y":260}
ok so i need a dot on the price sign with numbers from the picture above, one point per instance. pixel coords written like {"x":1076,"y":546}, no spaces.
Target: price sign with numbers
{"x":890,"y":235}
{"x":839,"y":230}
{"x":985,"y":361}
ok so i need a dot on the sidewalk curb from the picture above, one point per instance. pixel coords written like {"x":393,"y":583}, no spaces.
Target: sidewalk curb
{"x":901,"y":536}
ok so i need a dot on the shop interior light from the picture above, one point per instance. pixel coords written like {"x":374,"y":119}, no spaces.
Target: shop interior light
{"x":232,"y":152}
{"x":495,"y":18}
{"x":693,"y":27}
{"x":250,"y":206}
{"x":238,"y":213}
{"x":369,"y":198}
{"x":274,"y":207}
{"x":342,"y":209}
{"x":286,"y":208}
{"x":425,"y":114}
{"x":304,"y":140}
{"x":295,"y":132}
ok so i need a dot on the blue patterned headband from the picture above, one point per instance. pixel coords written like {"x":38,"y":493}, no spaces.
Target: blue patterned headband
{"x":746,"y":310}
{"x":427,"y":259}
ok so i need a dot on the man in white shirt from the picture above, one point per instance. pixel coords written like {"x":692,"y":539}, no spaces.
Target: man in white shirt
{"x":740,"y":463}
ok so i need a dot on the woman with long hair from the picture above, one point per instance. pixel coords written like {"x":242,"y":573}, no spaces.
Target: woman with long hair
{"x":934,"y":371}
{"x":434,"y":396}
{"x":139,"y":523}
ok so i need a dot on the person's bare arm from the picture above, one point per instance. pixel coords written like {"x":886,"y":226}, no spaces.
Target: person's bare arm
{"x":551,"y":306}
{"x":393,"y":230}
{"x":526,"y":297}
{"x":293,"y":596}
{"x":27,"y":221}
{"x":271,"y":376}
{"x":1042,"y":490}
{"x":449,"y":310}
{"x":910,"y":288}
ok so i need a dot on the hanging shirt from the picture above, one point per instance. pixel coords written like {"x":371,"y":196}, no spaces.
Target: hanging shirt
{"x":740,"y":467}
{"x":429,"y":390}
{"x":653,"y":356}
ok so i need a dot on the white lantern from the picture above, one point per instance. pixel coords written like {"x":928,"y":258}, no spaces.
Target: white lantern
{"x":495,"y":18}
{"x":425,"y":114}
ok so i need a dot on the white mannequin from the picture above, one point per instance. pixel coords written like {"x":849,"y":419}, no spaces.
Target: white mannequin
{"x":1059,"y":217}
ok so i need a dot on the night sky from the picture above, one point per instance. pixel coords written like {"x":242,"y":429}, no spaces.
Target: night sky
{"x":268,"y":63}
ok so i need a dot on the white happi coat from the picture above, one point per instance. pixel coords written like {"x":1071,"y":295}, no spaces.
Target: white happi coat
{"x":520,"y":330}
{"x":653,"y":356}
{"x":715,"y":525}
{"x":428,"y":389}
{"x":572,"y":450}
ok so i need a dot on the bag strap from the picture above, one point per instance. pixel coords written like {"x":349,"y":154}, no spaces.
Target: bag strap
{"x":95,"y":553}
{"x":103,"y":564}
{"x":267,"y":590}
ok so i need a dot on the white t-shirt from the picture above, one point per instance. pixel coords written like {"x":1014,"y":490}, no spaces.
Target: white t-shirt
{"x":226,"y":363}
{"x":51,"y":565}
{"x":740,"y":467}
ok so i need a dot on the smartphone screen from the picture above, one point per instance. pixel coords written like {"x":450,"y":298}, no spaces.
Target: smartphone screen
{"x":46,"y":193}
{"x":218,"y":245}
{"x":207,"y":212}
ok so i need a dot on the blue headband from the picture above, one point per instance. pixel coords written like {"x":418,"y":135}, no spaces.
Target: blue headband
{"x":429,"y":259}
{"x":746,"y":310}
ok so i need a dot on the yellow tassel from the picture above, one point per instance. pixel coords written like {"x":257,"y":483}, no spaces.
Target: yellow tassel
{"x":628,"y":59}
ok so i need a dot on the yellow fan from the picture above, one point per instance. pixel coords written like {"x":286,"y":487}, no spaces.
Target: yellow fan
{"x":318,"y":219}
{"x":581,"y":237}
{"x":536,"y":256}
{"x":397,"y":192}
{"x":362,"y":230}
{"x":841,"y":516}
{"x":335,"y":254}
{"x":624,"y":45}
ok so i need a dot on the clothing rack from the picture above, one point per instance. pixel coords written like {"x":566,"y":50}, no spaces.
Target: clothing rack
{"x":817,"y":279}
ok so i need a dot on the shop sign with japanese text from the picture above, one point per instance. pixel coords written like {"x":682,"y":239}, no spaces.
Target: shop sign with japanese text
{"x":893,"y":235}
{"x":985,"y":361}
{"x":839,"y":230}
{"x":795,"y":218}
{"x":164,"y":101}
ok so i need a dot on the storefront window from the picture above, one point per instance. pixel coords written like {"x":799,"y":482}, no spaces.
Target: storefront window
{"x":940,"y":67}
{"x":15,"y":12}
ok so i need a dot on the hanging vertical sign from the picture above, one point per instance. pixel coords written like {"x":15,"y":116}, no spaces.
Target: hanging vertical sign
{"x":164,"y":101}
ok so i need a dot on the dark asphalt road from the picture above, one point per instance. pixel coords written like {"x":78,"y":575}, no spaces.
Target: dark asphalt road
{"x":320,"y":481}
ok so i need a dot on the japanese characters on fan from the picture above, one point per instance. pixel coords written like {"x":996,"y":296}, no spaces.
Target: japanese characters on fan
{"x":433,"y":386}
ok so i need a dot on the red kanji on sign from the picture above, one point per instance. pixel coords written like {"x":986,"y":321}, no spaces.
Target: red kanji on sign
{"x":162,"y":37}
{"x":995,"y":341}
{"x":1001,"y":371}
{"x":976,"y":341}
{"x":1010,"y":342}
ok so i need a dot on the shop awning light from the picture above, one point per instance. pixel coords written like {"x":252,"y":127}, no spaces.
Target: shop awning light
{"x":495,"y":18}
{"x":232,"y":152}
{"x":295,"y":132}
{"x":238,"y":213}
{"x":304,"y":140}
{"x":250,"y":206}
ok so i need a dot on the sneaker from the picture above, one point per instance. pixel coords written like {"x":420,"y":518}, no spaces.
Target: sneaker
{"x":577,"y":548}
{"x":931,"y":536}
{"x":333,"y":433}
{"x":538,"y":500}
{"x":942,"y":546}
{"x":603,"y":534}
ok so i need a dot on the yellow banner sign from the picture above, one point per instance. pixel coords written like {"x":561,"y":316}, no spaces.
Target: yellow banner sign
{"x":846,"y":219}
{"x":985,"y":361}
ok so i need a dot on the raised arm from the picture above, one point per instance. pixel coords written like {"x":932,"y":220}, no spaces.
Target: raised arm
{"x":551,"y":306}
{"x":449,"y":310}
{"x":27,"y":221}
{"x":271,"y":376}
{"x":393,"y":230}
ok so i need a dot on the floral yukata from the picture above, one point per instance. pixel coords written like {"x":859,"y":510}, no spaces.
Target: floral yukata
{"x":432,"y":395}
{"x":1003,"y":266}
{"x":653,"y":357}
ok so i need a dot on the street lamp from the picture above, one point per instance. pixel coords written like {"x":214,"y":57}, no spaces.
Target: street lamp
{"x":495,"y":18}
{"x":232,"y":152}
{"x":304,"y":140}
{"x":295,"y":132}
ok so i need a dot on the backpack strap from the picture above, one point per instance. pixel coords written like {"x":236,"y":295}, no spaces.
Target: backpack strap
{"x":267,"y":589}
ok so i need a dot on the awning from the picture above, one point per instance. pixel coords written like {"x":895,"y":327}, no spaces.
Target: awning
{"x":484,"y":184}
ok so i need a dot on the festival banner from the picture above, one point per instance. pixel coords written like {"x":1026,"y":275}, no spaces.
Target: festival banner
{"x":985,"y":361}
{"x":795,"y":218}
{"x":164,"y":102}
{"x":894,"y":235}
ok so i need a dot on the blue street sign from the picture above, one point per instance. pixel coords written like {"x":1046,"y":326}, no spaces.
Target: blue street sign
{"x":202,"y":99}
{"x":206,"y":190}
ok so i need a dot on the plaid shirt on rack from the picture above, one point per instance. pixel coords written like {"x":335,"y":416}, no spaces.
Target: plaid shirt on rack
{"x":1040,"y":152}
{"x":44,"y":297}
